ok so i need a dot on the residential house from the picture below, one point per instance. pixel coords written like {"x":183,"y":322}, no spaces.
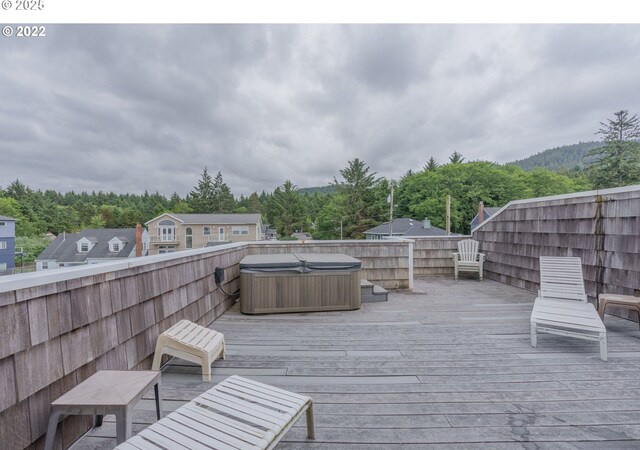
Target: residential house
{"x":7,"y":243}
{"x":488,"y":212}
{"x":172,"y":232}
{"x":93,"y":246}
{"x":403,"y":227}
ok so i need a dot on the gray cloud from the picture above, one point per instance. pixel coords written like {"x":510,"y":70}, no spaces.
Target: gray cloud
{"x":133,"y":108}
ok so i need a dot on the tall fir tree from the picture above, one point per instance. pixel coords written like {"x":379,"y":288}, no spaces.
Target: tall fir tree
{"x":202,"y":198}
{"x":618,"y":161}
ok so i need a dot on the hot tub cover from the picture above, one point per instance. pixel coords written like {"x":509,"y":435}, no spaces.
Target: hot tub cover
{"x":328,"y":261}
{"x":270,"y":263}
{"x":299,"y":262}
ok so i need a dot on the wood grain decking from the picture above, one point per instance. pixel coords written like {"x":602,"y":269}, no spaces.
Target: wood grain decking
{"x":448,"y":365}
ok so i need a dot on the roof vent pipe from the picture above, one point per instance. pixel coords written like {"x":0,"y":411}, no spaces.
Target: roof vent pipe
{"x":426,"y":224}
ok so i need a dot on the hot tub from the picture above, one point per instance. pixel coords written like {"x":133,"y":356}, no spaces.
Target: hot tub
{"x":299,"y":282}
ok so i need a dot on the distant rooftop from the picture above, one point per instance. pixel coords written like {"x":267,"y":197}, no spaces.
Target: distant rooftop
{"x":64,"y":247}
{"x":210,"y":219}
{"x":407,"y":228}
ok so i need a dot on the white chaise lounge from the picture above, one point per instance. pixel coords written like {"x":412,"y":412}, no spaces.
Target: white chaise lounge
{"x":562,"y":307}
{"x":467,"y":259}
{"x":237,"y":413}
{"x":191,"y":342}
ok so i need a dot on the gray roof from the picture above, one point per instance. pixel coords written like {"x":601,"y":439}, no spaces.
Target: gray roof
{"x":7,"y":218}
{"x":65,"y":249}
{"x":406,"y":227}
{"x":215,"y":219}
{"x":488,"y":212}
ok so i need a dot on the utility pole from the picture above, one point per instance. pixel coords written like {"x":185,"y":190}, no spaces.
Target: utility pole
{"x":390,"y":200}
{"x":340,"y":229}
{"x":448,"y":214}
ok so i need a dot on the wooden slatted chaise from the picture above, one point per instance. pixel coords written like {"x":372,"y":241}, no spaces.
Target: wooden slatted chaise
{"x":191,"y":342}
{"x":562,"y":307}
{"x":237,"y":413}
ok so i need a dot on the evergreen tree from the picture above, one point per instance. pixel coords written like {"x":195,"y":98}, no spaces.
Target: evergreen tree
{"x":619,"y":159}
{"x":287,"y":208}
{"x":223,"y":201}
{"x":202,"y":198}
{"x":356,"y":198}
{"x":431,"y":164}
{"x":455,"y":158}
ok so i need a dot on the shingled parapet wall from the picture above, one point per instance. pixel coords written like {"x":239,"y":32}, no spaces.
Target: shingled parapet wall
{"x":59,"y":327}
{"x":600,"y":227}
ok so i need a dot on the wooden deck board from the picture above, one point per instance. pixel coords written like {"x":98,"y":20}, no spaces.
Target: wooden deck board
{"x":447,"y":366}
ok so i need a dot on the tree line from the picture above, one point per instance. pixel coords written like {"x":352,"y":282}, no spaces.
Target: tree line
{"x":355,"y":200}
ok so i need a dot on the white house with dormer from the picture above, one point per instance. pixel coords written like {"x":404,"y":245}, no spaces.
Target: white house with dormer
{"x":93,"y":246}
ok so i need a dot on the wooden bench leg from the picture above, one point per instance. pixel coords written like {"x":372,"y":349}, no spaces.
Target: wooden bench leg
{"x":534,"y":337}
{"x":603,"y":346}
{"x":123,"y":425}
{"x":311,"y":431}
{"x":158,"y":392}
{"x":206,"y":369}
{"x":51,"y":429}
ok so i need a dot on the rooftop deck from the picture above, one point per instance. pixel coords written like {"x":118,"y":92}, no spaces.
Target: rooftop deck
{"x":448,"y":365}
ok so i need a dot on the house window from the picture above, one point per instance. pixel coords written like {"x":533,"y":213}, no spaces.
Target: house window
{"x":221,"y":234}
{"x":3,"y":245}
{"x":45,"y":264}
{"x":188,"y":241}
{"x":116,"y":247}
{"x":2,"y":224}
{"x":166,"y":249}
{"x":84,"y":247}
{"x":206,"y":231}
{"x":167,"y":230}
{"x":238,"y":231}
{"x":3,"y":266}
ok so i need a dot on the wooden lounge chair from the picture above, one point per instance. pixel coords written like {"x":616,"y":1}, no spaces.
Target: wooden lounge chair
{"x":191,"y":342}
{"x":467,"y":259}
{"x":237,"y":413}
{"x":562,"y":308}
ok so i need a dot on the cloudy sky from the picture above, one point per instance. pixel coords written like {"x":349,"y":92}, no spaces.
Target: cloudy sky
{"x":126,"y":108}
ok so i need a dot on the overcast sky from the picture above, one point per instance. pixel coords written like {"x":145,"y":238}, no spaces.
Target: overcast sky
{"x":131,"y":108}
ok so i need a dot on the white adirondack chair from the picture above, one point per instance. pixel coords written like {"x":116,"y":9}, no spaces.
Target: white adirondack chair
{"x":467,"y":259}
{"x":562,"y":307}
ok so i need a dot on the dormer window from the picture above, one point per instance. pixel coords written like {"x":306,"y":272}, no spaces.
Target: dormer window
{"x":116,"y":245}
{"x":85,"y":244}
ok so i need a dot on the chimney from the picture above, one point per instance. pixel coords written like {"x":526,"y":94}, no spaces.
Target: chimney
{"x":480,"y":212}
{"x":426,"y":224}
{"x":138,"y":240}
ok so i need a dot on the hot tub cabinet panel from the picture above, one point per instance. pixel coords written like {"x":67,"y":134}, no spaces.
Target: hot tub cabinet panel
{"x":332,"y":283}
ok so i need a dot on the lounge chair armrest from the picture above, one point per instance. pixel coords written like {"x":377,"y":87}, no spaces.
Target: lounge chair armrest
{"x":480,"y":256}
{"x":456,"y":255}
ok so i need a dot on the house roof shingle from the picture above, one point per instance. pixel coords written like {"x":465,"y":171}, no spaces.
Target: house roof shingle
{"x":406,"y":227}
{"x":64,"y":248}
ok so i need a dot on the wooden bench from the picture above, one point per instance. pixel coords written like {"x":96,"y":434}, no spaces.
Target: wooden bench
{"x":191,"y":342}
{"x":237,"y":413}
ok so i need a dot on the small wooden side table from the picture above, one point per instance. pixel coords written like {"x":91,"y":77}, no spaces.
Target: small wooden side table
{"x":621,"y":301}
{"x":106,"y":392}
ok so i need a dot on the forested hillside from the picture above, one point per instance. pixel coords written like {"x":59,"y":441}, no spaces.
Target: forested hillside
{"x":567,"y":157}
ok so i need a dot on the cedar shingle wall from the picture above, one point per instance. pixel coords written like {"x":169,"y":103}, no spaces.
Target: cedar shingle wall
{"x":603,"y":230}
{"x":55,"y":335}
{"x":434,"y":256}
